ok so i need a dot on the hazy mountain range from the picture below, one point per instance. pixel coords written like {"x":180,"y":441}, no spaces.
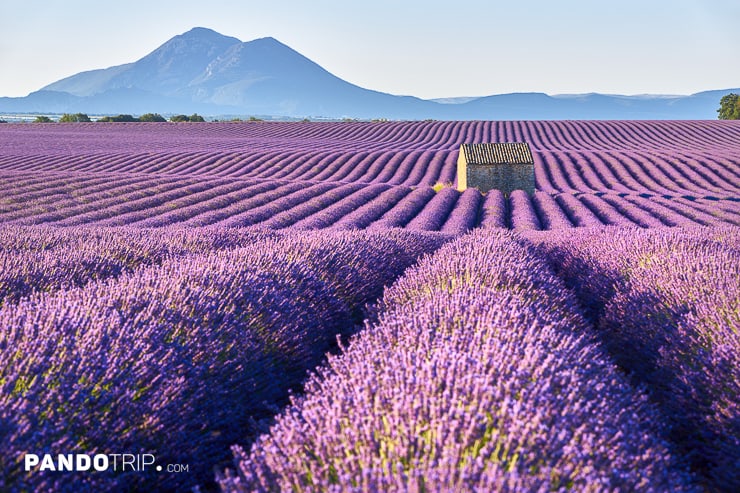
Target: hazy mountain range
{"x":205,"y":72}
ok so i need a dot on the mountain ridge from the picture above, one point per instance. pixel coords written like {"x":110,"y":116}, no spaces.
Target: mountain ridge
{"x":204,"y":71}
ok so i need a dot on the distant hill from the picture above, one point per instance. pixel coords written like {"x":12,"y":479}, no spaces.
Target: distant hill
{"x":538,"y":106}
{"x":206,"y":72}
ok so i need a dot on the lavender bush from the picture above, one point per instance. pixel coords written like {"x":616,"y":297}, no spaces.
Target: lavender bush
{"x":494,"y":213}
{"x":667,"y":304}
{"x":47,"y":259}
{"x":432,"y":217}
{"x":480,"y":374}
{"x":179,"y":360}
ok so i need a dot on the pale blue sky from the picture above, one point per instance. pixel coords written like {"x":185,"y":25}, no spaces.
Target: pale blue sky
{"x":422,"y":48}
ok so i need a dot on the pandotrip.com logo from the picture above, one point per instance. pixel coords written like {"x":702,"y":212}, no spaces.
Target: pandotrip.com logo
{"x":98,"y":462}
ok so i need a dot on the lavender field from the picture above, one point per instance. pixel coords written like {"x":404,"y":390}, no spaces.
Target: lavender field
{"x":362,"y":174}
{"x":311,"y":306}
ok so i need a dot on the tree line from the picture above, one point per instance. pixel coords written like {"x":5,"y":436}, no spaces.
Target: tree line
{"x":729,"y":109}
{"x":147,"y":117}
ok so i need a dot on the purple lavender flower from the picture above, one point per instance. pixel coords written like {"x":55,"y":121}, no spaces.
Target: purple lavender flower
{"x":666,"y":304}
{"x":480,"y":373}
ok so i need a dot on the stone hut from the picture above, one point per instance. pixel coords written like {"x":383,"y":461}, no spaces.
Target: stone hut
{"x":505,"y":166}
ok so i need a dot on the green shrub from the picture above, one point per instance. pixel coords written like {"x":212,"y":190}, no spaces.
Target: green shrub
{"x":77,"y":117}
{"x":118,"y":118}
{"x":152,"y":117}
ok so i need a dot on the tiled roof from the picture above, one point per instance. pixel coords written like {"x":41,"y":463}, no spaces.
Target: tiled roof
{"x":497,"y":153}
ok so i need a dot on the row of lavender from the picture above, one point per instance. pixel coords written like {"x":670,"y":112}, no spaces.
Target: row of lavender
{"x":629,"y":172}
{"x":575,"y":171}
{"x":47,"y":259}
{"x":146,"y":201}
{"x":478,"y":373}
{"x":705,"y":137}
{"x":382,"y":166}
{"x":181,"y":359}
{"x":667,"y":307}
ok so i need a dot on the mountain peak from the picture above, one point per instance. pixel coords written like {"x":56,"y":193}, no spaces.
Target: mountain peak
{"x":268,"y":42}
{"x":199,"y":30}
{"x":267,"y":39}
{"x":206,"y":34}
{"x":197,"y":39}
